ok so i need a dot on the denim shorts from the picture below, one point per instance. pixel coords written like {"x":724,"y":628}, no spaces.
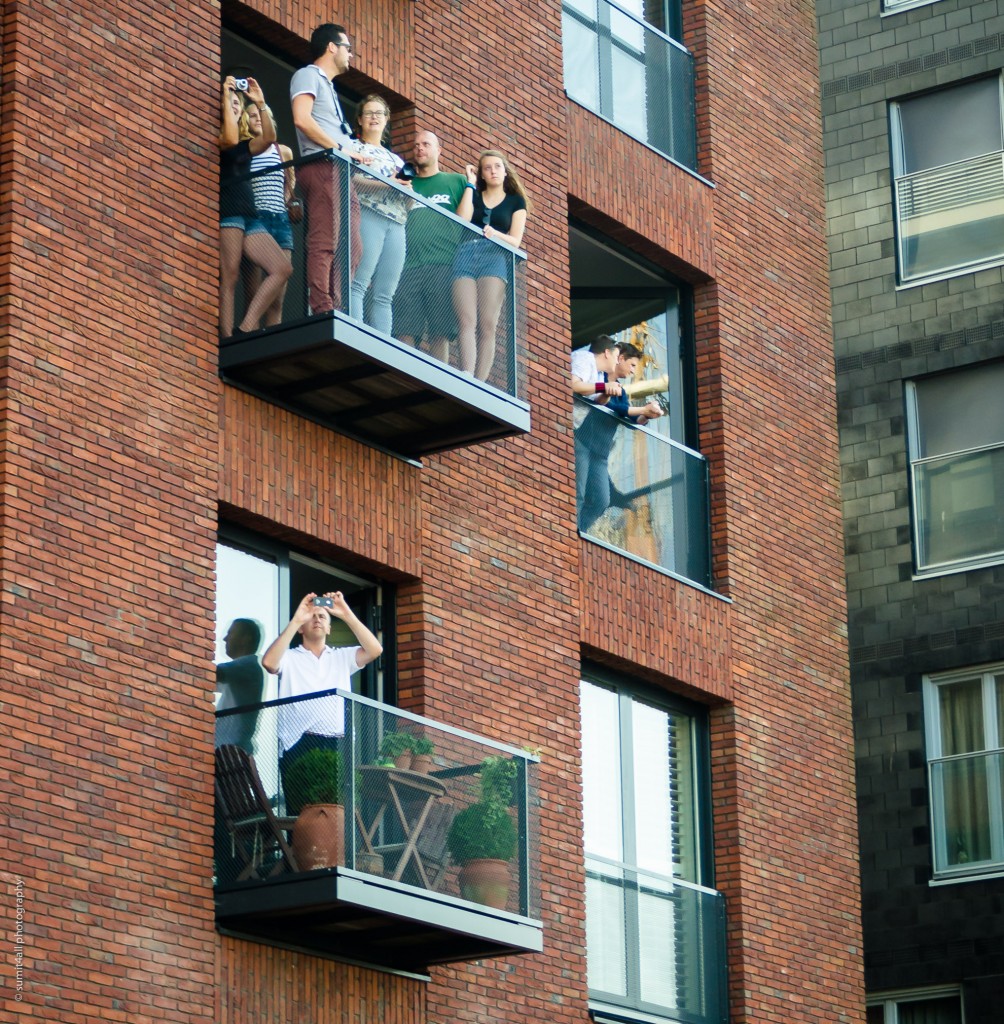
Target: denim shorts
{"x":480,"y":258}
{"x":249,"y":225}
{"x":278,"y":226}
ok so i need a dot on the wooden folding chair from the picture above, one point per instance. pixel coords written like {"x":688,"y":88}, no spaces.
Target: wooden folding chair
{"x":257,"y":835}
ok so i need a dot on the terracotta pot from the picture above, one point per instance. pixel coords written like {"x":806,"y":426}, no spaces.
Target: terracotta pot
{"x":370,"y":863}
{"x":403,"y":760}
{"x":319,"y":836}
{"x":422,"y":763}
{"x":485,"y":881}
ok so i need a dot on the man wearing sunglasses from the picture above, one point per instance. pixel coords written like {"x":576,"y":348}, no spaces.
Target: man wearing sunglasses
{"x":321,"y":125}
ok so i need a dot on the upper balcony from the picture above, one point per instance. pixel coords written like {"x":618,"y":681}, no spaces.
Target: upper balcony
{"x":628,"y":71}
{"x":642,"y":493}
{"x":364,"y":832}
{"x":348,"y":363}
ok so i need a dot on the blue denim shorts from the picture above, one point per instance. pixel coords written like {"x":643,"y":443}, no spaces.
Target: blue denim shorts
{"x":480,"y":258}
{"x":249,"y":225}
{"x":278,"y":226}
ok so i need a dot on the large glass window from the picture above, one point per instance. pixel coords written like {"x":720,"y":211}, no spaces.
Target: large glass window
{"x":964,"y":715}
{"x":927,"y":1006}
{"x":623,"y":61}
{"x":654,"y":933}
{"x":956,"y":425}
{"x":948,"y":162}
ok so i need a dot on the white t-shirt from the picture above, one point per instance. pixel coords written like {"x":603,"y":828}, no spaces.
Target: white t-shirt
{"x":301,"y":673}
{"x":584,"y":367}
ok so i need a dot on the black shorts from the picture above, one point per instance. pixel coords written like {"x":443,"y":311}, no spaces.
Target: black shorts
{"x":423,"y":303}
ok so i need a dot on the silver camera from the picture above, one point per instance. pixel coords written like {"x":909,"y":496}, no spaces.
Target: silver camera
{"x":241,"y":84}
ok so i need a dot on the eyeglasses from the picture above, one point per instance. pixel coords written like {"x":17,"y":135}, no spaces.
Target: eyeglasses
{"x":348,"y":46}
{"x":374,"y":113}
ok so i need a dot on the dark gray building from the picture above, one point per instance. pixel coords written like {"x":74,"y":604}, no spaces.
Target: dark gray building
{"x":914,"y":137}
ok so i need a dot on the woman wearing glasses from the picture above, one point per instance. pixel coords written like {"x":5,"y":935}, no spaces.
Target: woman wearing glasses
{"x":481,"y":269}
{"x":383,"y":212}
{"x":241,"y":232}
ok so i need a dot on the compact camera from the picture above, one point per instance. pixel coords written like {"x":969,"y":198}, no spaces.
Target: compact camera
{"x":241,"y":84}
{"x":407,"y":171}
{"x":323,"y":602}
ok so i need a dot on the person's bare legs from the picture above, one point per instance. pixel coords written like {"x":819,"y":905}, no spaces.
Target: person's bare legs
{"x":465,"y":304}
{"x":273,"y":315}
{"x":491,"y":294}
{"x":439,"y":348}
{"x":261,"y":248}
{"x":231,"y":247}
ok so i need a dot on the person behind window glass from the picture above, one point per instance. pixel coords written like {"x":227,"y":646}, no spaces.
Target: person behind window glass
{"x":481,"y":269}
{"x":241,"y":232}
{"x":384,"y":212}
{"x":240,"y":682}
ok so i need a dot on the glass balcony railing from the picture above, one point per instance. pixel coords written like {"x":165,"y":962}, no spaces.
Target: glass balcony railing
{"x":335,"y":813}
{"x":967,"y":812}
{"x":623,"y":68}
{"x":958,"y":502}
{"x":642,"y":493}
{"x":951,"y":218}
{"x":655,"y":944}
{"x":372,"y":336}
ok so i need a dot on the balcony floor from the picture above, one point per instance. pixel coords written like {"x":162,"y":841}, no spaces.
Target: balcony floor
{"x":360,"y":917}
{"x":343,"y":374}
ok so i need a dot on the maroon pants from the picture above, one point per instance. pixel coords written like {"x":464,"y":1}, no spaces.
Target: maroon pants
{"x":323,"y":186}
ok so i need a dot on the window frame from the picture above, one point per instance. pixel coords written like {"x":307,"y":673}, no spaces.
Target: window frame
{"x":891,"y":1001}
{"x":889,"y":7}
{"x":606,"y":1006}
{"x":993,"y":734}
{"x":930,"y":569}
{"x":377,"y":680}
{"x":897,"y":174}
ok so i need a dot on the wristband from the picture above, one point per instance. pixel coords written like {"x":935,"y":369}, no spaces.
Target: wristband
{"x":467,"y":184}
{"x":601,"y":387}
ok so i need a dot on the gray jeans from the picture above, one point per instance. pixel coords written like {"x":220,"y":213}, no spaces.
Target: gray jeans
{"x":381,"y":265}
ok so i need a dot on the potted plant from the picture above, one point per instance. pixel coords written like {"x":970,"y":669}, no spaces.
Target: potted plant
{"x":314,"y":782}
{"x":482,"y":838}
{"x":422,"y":750}
{"x":398,"y":747}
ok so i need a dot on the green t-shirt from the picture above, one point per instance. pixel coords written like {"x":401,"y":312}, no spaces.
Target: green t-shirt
{"x":433,"y":240}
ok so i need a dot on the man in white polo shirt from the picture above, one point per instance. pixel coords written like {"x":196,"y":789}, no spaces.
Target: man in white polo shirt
{"x":313,"y":667}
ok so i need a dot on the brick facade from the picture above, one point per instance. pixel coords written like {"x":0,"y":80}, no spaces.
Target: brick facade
{"x":902,"y":627}
{"x":121,"y":451}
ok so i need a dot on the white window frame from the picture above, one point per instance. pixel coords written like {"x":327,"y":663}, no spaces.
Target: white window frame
{"x":898,"y":6}
{"x":891,"y":1001}
{"x":897,"y":174}
{"x":914,"y":460}
{"x":993,"y":745}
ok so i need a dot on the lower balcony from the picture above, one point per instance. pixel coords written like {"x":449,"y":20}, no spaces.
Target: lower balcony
{"x":393,"y":353}
{"x":641,"y":493}
{"x":351,"y":829}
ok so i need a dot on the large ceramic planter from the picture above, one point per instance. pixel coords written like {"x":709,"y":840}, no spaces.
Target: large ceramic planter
{"x":319,"y":836}
{"x":485,"y":881}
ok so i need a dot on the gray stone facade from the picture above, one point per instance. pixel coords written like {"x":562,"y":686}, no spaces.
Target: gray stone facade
{"x":902,"y":627}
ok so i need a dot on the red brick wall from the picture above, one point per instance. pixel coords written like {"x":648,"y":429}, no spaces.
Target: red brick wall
{"x":107,"y":518}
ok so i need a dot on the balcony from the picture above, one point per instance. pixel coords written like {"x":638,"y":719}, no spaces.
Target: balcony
{"x":654,"y":505}
{"x":351,"y":829}
{"x":337,"y":368}
{"x":630,"y":73}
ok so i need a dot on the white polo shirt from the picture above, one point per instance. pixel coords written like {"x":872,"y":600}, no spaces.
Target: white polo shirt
{"x":300,"y":673}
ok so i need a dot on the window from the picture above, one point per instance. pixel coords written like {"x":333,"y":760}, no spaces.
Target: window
{"x":964,"y":716}
{"x":262,"y":581}
{"x":956,"y":442}
{"x":654,"y":934}
{"x":623,"y":63}
{"x":948,"y":164}
{"x":922,"y":1007}
{"x":894,"y":6}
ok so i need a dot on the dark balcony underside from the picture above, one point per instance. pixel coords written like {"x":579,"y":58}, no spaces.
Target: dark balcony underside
{"x":342,"y":374}
{"x":342,"y":913}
